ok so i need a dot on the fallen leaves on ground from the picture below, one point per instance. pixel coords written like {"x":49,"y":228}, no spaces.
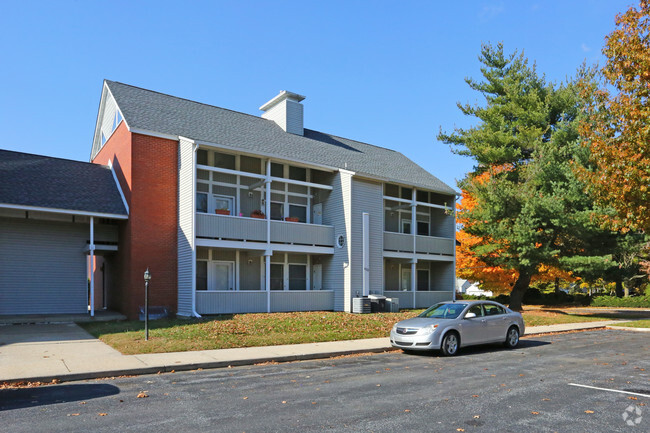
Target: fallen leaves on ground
{"x":143,"y":394}
{"x":589,"y":411}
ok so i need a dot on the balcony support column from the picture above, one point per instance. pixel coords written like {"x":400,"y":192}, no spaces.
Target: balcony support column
{"x":267,"y":279}
{"x":414,"y":263}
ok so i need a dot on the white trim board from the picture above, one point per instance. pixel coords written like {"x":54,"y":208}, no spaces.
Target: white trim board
{"x":64,"y":211}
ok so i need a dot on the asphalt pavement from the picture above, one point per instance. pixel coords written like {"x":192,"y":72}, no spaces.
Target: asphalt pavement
{"x":592,"y":381}
{"x":65,"y":352}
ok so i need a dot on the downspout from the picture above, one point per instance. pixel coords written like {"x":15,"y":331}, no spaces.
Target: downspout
{"x":92,"y":265}
{"x":195,"y":148}
{"x":268,"y":252}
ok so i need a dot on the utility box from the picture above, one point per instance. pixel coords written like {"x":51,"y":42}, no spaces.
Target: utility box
{"x":361,"y":305}
{"x":392,"y":305}
{"x":378,"y":303}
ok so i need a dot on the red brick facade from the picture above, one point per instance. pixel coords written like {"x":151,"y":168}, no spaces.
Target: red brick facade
{"x":147,"y":169}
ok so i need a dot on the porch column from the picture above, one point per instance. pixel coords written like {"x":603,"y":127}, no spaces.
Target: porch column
{"x":267,"y":279}
{"x":413,"y":274}
{"x":268,"y":252}
{"x":92,"y":267}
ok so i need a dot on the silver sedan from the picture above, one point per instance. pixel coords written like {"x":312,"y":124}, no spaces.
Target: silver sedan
{"x":448,"y":326}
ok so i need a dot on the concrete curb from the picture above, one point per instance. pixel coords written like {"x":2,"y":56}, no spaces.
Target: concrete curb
{"x":198,"y":365}
{"x":629,"y":328}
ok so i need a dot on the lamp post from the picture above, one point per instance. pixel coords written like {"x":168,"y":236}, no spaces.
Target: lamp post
{"x":147,"y":278}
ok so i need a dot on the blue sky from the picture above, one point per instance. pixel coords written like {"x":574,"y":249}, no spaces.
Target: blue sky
{"x":383,"y":72}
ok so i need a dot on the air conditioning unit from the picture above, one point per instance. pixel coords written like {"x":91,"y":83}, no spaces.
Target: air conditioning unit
{"x":392,"y":305}
{"x":361,"y":305}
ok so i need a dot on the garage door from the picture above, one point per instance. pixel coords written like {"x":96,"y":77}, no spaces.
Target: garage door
{"x":42,"y":267}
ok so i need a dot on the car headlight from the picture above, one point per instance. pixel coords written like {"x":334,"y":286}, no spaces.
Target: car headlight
{"x":427,"y":330}
{"x":394,"y":328}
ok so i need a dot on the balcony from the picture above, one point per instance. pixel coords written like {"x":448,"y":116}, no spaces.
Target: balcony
{"x":401,"y":242}
{"x":253,"y":229}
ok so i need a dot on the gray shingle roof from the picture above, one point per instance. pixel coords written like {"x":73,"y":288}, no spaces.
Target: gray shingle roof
{"x":43,"y":181}
{"x":157,"y":112}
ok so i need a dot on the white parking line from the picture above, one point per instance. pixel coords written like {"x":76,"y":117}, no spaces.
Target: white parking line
{"x":610,"y":390}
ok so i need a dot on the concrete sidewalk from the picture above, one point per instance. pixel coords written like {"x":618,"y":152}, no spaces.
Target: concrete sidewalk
{"x":66,"y":352}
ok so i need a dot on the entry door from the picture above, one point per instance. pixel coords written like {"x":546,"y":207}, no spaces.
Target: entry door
{"x":317,"y":214}
{"x":220,"y":276}
{"x":317,"y":277}
{"x":406,"y":280}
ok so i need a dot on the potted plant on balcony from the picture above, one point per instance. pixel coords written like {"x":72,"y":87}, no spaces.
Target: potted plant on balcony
{"x":258,"y":214}
{"x":292,"y":219}
{"x":222,"y":211}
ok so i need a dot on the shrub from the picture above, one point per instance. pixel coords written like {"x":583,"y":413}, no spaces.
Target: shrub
{"x":613,"y":301}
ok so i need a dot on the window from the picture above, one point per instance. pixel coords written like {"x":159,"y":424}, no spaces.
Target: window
{"x":297,"y":277}
{"x":423,"y":280}
{"x":277,"y":277}
{"x":201,"y":275}
{"x":407,"y":193}
{"x":299,"y":212}
{"x":224,"y":203}
{"x":423,"y":228}
{"x":117,"y":119}
{"x":201,"y":202}
{"x":422,"y":196}
{"x":492,"y":310}
{"x":406,"y":226}
{"x":476,"y":309}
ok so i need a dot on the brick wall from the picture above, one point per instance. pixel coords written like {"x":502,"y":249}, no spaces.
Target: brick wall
{"x":147,"y":169}
{"x":154,"y":220}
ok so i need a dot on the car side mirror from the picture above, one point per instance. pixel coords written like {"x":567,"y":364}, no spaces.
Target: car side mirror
{"x":470,"y":315}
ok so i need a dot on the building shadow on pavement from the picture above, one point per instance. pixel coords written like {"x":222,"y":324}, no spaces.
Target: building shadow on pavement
{"x":20,"y":398}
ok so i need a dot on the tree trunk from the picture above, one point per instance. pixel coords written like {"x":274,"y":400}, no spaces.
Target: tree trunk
{"x":518,"y":290}
{"x":619,"y":287}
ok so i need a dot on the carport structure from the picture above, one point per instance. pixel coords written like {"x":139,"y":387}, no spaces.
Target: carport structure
{"x":59,"y":225}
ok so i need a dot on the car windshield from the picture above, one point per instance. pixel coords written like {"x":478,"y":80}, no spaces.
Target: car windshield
{"x":444,"y":311}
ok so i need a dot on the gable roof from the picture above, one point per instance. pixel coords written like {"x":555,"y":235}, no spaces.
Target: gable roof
{"x":160,"y":113}
{"x":28,"y":180}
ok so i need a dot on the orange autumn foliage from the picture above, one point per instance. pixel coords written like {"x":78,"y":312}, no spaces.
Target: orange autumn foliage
{"x":616,"y":128}
{"x":471,"y":267}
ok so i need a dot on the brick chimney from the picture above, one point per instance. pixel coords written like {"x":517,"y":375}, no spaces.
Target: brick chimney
{"x":285,"y":110}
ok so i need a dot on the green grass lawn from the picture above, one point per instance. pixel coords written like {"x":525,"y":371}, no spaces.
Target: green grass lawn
{"x":635,"y":324}
{"x":250,"y":330}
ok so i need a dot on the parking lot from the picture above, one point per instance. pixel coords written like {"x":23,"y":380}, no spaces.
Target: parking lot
{"x":595,"y":381}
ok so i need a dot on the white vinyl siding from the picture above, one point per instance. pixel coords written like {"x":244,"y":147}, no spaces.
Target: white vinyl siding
{"x":338,"y":212}
{"x":367,"y":197}
{"x":186,"y":241}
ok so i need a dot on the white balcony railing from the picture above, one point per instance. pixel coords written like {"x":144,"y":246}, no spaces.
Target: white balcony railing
{"x":253,"y":229}
{"x":423,"y":244}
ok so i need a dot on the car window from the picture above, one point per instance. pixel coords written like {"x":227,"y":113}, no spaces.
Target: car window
{"x":444,"y":311}
{"x":476,"y":309}
{"x":493,"y":310}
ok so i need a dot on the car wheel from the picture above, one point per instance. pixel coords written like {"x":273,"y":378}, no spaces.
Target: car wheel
{"x":450,"y":344}
{"x":512,"y":338}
